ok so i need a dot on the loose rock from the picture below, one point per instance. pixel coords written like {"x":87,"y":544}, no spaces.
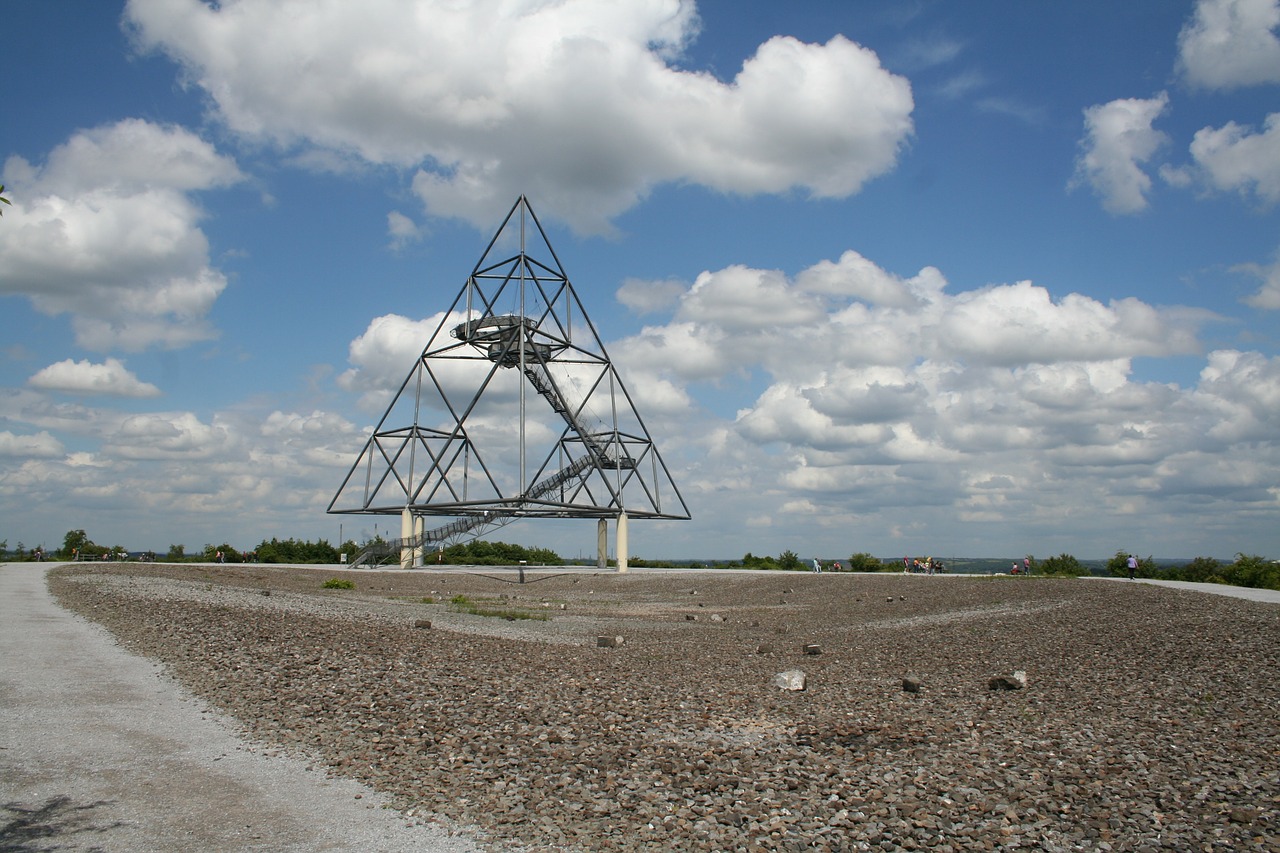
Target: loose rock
{"x":1016,"y":681}
{"x":791,"y":679}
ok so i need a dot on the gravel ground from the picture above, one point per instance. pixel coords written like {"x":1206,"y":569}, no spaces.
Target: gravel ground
{"x":1148,"y":720}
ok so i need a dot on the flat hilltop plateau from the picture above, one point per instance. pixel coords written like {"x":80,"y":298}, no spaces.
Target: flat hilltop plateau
{"x":1148,"y":719}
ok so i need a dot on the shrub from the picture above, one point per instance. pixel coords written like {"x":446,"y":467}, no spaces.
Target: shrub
{"x":296,"y":551}
{"x":478,"y":552}
{"x":864,"y":562}
{"x":1254,"y":571}
{"x":462,"y":604}
{"x":338,"y":583}
{"x":1064,"y":565}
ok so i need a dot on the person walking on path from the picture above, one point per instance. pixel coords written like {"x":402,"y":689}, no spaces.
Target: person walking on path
{"x":1132,"y":563}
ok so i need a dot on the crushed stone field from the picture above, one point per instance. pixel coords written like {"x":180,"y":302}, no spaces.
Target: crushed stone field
{"x":1148,"y":719}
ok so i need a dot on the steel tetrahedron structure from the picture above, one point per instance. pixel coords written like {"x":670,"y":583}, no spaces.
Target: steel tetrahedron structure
{"x":512,"y":410}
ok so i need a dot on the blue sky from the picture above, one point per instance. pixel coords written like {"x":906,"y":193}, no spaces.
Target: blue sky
{"x":905,"y":278}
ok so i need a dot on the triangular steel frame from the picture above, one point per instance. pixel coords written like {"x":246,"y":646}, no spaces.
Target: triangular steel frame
{"x":516,"y":315}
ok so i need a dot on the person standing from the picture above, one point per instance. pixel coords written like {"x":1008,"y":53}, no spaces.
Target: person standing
{"x":1132,"y":563}
{"x":817,"y":567}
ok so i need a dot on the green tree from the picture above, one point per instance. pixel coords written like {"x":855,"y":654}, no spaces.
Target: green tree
{"x":78,"y":544}
{"x":1201,"y":570}
{"x":1253,"y":571}
{"x":789,"y":562}
{"x":1118,"y":566}
{"x":75,"y":542}
{"x":751,"y":561}
{"x":864,"y":562}
{"x":296,"y":551}
{"x":229,"y":554}
{"x":1063,"y":564}
{"x":177,"y":553}
{"x":481,"y":553}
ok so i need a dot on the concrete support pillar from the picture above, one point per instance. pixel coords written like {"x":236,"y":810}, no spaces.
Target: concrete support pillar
{"x":406,"y":531}
{"x":419,"y":525}
{"x":602,"y":544}
{"x":622,"y":543}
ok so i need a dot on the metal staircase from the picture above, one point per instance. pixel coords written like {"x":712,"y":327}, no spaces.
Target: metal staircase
{"x":471,"y":526}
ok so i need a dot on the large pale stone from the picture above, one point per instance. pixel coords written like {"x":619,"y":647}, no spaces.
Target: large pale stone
{"x":1016,"y":681}
{"x":791,"y":679}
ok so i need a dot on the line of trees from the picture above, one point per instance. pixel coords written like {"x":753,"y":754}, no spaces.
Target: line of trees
{"x":1247,"y":570}
{"x":481,"y":553}
{"x":77,"y":545}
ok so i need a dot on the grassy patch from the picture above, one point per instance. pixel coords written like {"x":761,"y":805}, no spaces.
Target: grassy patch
{"x":462,"y":604}
{"x":338,"y":583}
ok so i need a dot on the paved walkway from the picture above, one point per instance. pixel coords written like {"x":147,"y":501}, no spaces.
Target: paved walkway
{"x":100,"y":751}
{"x":1271,"y":596}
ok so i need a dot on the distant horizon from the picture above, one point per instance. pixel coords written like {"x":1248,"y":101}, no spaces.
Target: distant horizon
{"x":806,"y":560}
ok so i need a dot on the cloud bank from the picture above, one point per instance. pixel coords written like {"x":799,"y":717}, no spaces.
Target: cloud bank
{"x":106,"y":230}
{"x":584,"y":107}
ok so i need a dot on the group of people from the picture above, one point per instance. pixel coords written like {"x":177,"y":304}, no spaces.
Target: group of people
{"x":1024,"y":569}
{"x":927,"y":566}
{"x":835,"y":567}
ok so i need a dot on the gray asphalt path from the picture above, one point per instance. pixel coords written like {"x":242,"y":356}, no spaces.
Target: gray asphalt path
{"x":1269,"y":595}
{"x":100,"y":751}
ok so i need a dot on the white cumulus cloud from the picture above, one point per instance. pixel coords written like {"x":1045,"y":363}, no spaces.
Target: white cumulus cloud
{"x":1119,"y":139}
{"x":887,"y":395}
{"x":384,"y":354}
{"x":162,"y":435}
{"x":1231,"y":43}
{"x":1236,"y":158}
{"x":581,"y":104}
{"x":1268,"y":295}
{"x":402,"y":229}
{"x":84,"y":377}
{"x":42,"y":445}
{"x":106,"y":231}
{"x":644,"y":297}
